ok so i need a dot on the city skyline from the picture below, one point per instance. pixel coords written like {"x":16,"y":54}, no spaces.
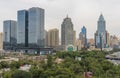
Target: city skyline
{"x":81,"y":12}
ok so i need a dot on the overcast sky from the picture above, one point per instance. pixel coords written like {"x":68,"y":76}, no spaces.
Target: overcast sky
{"x":82,"y":12}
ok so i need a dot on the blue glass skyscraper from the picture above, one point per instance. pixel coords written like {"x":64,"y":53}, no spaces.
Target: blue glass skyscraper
{"x":10,"y":34}
{"x":22,"y":27}
{"x":36,"y":31}
{"x":83,"y":36}
{"x":31,"y":28}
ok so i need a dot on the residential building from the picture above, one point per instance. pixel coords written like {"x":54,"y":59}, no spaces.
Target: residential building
{"x":114,"y":41}
{"x":53,"y":38}
{"x":78,"y":44}
{"x":74,"y":37}
{"x":107,"y":39}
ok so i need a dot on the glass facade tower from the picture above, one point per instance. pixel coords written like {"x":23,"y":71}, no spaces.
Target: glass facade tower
{"x":83,"y":37}
{"x":36,"y":33}
{"x":10,"y":34}
{"x":22,"y":37}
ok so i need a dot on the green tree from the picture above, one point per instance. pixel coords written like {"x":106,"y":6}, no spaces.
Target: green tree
{"x":7,"y":74}
{"x":36,"y":71}
{"x":49,"y":61}
{"x":14,"y":64}
{"x":21,"y":74}
{"x":4,"y":64}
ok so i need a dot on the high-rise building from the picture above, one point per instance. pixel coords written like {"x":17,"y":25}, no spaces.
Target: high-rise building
{"x":10,"y":34}
{"x":67,"y":32}
{"x":30,"y":28}
{"x":1,"y":40}
{"x":53,"y":38}
{"x":83,"y":36}
{"x":78,"y":44}
{"x":74,"y":37}
{"x":114,"y":42}
{"x":100,"y":35}
{"x":22,"y":28}
{"x":36,"y":31}
{"x":107,"y":39}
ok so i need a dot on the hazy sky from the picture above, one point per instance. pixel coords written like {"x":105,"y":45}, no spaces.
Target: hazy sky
{"x":82,"y":12}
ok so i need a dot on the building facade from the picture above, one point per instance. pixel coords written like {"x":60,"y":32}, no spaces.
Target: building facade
{"x":10,"y":34}
{"x":91,"y":42}
{"x":107,"y":39}
{"x":36,"y":31}
{"x":100,"y":35}
{"x":1,"y":40}
{"x":83,"y":37}
{"x":67,"y":32}
{"x":53,"y":38}
{"x":30,"y":28}
{"x":78,"y":44}
{"x":114,"y":41}
{"x":22,"y":28}
{"x":74,"y":37}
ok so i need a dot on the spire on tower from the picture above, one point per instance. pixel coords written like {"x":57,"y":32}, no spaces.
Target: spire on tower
{"x":101,"y":18}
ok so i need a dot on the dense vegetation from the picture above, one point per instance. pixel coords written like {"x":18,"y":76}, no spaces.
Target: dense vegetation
{"x":70,"y":67}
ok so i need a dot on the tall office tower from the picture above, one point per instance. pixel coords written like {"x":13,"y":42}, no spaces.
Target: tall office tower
{"x":83,"y":36}
{"x":67,"y":32}
{"x":53,"y":38}
{"x":36,"y":31}
{"x":100,"y":35}
{"x":9,"y":34}
{"x":22,"y":28}
{"x":1,"y":40}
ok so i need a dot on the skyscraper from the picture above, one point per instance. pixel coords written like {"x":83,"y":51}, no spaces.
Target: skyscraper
{"x":67,"y":32}
{"x":22,"y":28}
{"x":36,"y":31}
{"x":100,"y":35}
{"x":10,"y":34}
{"x":53,"y":38}
{"x":83,"y":36}
{"x":1,"y":40}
